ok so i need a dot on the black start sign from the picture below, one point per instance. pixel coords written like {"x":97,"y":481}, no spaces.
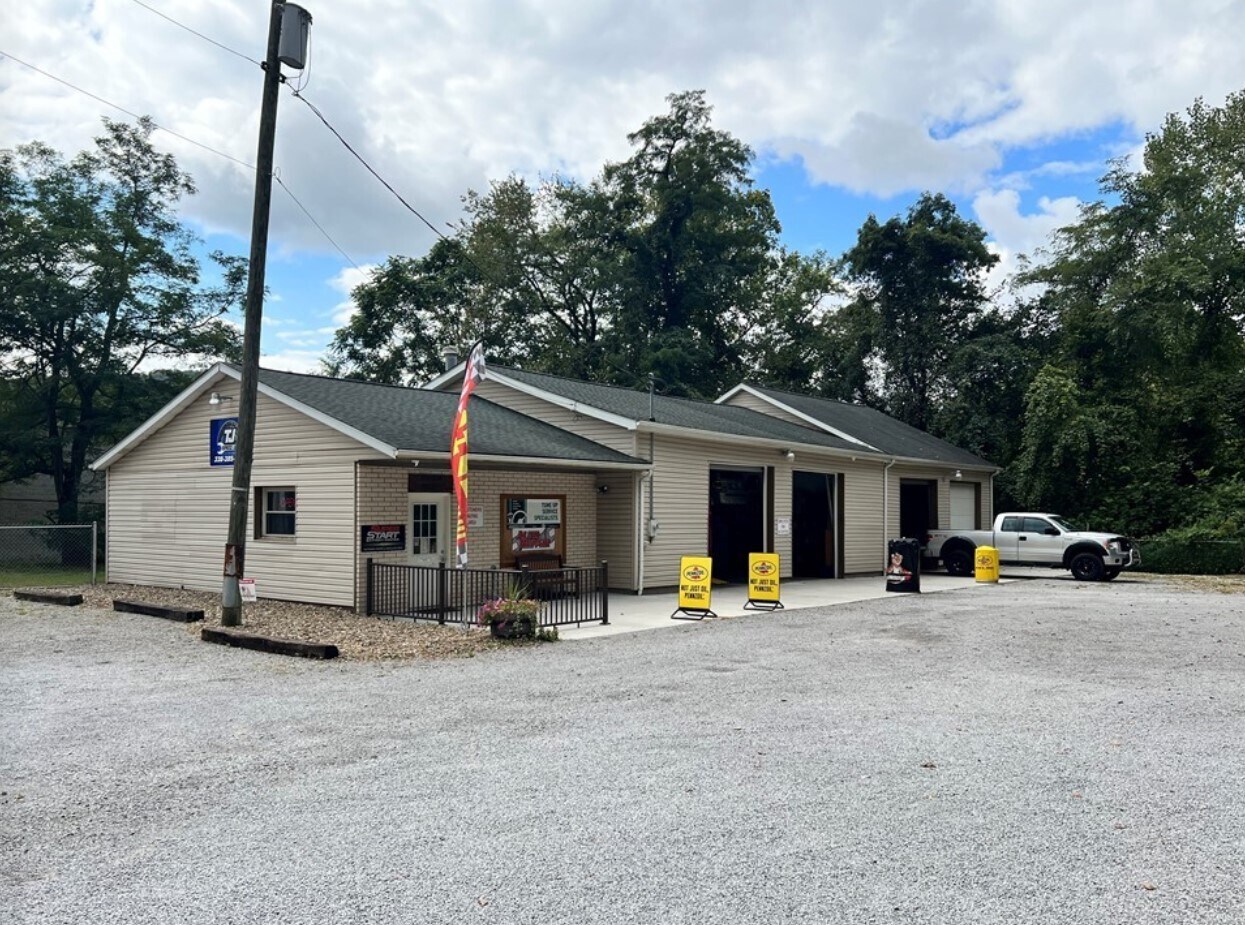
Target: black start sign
{"x":382,"y":537}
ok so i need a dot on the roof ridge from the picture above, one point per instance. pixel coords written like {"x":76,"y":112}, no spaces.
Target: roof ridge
{"x":327,"y":378}
{"x":837,"y":401}
{"x":606,"y":385}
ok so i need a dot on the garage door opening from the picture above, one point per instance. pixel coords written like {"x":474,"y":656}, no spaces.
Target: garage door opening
{"x":736,"y":520}
{"x":918,"y":507}
{"x":816,"y":528}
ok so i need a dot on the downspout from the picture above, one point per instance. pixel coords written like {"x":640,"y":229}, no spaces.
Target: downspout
{"x":886,"y":507}
{"x":639,"y":531}
{"x":992,"y":474}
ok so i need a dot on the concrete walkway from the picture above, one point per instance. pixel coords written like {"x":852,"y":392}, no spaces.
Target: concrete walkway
{"x":630,"y":613}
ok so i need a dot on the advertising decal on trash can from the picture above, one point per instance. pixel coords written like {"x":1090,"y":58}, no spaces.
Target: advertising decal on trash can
{"x":903,"y":566}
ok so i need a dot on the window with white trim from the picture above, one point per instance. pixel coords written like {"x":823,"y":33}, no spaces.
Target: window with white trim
{"x":276,"y":511}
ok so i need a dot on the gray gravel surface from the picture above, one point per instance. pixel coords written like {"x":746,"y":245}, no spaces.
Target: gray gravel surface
{"x":1046,"y":751}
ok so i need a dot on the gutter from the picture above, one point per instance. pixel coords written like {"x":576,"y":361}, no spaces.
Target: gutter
{"x":525,"y":460}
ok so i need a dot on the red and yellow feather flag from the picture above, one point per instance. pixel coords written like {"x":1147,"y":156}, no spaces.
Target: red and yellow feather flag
{"x":458,"y":448}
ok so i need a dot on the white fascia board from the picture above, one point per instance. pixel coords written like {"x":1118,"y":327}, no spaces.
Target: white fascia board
{"x":527,"y":461}
{"x":718,"y":437}
{"x":160,"y":418}
{"x":563,"y":402}
{"x":943,"y":464}
{"x":445,"y":378}
{"x":807,"y":418}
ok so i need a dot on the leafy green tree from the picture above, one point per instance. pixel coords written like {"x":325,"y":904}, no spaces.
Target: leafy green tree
{"x":666,"y":264}
{"x":700,"y":246}
{"x":97,"y":278}
{"x":1148,"y":296}
{"x":922,"y":279}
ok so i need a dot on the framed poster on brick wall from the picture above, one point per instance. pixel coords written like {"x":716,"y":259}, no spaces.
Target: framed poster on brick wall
{"x":532,"y":524}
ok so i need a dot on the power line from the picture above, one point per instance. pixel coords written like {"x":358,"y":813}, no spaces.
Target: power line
{"x":311,"y":218}
{"x":385,"y":183}
{"x":188,"y":139}
{"x":199,"y":34}
{"x":132,"y":115}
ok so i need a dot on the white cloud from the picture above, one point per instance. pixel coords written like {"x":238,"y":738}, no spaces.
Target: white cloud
{"x":1013,"y":233}
{"x":345,"y":283}
{"x":443,"y":97}
{"x":293,"y":360}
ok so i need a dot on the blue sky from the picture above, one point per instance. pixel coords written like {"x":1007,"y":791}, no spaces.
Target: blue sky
{"x":1010,"y":107}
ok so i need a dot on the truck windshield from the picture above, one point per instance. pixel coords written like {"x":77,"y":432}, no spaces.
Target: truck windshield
{"x":1061,"y":524}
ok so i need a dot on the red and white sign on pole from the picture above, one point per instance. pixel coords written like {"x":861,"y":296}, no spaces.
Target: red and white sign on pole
{"x":458,"y":449}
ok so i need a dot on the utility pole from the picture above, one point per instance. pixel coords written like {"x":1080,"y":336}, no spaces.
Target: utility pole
{"x":244,"y":451}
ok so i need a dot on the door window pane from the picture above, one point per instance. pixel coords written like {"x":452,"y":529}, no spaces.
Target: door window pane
{"x":424,"y":524}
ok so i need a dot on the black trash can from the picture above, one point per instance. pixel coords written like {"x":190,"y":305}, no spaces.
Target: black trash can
{"x":903,"y":565}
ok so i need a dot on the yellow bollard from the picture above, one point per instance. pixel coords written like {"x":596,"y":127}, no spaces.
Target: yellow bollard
{"x":986,"y":561}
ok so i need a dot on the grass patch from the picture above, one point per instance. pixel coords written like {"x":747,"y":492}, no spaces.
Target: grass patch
{"x":40,"y":576}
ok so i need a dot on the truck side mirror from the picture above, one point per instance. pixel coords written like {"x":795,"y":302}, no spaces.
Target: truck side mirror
{"x":1051,"y":531}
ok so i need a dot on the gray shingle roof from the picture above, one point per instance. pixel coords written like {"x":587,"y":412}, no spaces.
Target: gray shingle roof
{"x":892,"y":437}
{"x":679,"y":412}
{"x":420,"y":421}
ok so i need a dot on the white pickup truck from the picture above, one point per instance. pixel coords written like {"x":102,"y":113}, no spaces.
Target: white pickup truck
{"x":1036,"y":539}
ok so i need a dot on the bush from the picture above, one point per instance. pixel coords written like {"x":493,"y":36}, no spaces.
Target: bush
{"x":1184,"y":555}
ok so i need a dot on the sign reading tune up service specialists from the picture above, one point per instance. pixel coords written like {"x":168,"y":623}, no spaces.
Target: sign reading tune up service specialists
{"x":695,"y":588}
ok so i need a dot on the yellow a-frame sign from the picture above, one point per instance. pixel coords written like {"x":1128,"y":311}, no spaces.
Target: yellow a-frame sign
{"x":695,"y":588}
{"x":763,"y":582}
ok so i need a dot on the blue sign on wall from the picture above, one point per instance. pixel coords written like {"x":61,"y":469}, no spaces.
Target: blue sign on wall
{"x":224,"y":439}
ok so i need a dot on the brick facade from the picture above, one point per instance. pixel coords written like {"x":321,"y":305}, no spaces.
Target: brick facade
{"x":381,"y":497}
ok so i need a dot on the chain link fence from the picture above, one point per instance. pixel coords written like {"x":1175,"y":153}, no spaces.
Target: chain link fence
{"x":53,"y":554}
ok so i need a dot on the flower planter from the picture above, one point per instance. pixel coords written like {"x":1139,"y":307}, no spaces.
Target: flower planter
{"x":517,"y":627}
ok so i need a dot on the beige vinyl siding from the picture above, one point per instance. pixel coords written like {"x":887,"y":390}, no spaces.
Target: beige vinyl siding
{"x":680,"y":493}
{"x":943,"y":478}
{"x":590,"y":428}
{"x":681,"y":502}
{"x":753,"y":403}
{"x":616,"y":527}
{"x":168,"y":508}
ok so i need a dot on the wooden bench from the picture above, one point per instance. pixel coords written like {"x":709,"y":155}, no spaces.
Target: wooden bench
{"x":547,"y":576}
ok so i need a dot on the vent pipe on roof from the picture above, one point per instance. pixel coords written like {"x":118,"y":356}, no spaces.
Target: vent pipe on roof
{"x":449,"y":356}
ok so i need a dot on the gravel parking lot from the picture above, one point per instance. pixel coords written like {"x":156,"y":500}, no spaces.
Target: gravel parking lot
{"x":1040,"y":752}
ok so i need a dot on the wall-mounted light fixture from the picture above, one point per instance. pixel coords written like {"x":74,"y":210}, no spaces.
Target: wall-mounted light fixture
{"x":217,"y":398}
{"x":603,"y":489}
{"x":789,"y":454}
{"x":958,"y":474}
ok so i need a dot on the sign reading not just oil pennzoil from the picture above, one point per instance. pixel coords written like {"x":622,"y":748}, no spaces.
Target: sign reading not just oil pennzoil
{"x":763,"y":582}
{"x":695,"y":588}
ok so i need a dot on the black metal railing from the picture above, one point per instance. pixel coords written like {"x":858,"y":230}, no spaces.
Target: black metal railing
{"x":418,"y":592}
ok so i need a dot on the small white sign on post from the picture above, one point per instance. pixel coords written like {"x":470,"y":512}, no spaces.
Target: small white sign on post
{"x":782,"y":526}
{"x":246,"y":587}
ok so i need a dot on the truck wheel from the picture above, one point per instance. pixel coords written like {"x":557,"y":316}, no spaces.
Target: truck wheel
{"x":958,"y":562}
{"x":1087,"y":567}
{"x":1110,"y":574}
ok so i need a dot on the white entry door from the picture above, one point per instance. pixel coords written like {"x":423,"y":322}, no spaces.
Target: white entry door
{"x":428,"y":526}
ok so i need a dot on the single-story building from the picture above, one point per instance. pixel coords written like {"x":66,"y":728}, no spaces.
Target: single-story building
{"x":345,"y":471}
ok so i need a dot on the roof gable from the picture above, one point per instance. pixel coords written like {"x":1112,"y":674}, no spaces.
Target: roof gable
{"x":635,"y":409}
{"x":889,"y":435}
{"x":393,"y":420}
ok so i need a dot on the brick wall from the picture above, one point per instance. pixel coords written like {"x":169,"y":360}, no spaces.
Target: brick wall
{"x":381,"y":497}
